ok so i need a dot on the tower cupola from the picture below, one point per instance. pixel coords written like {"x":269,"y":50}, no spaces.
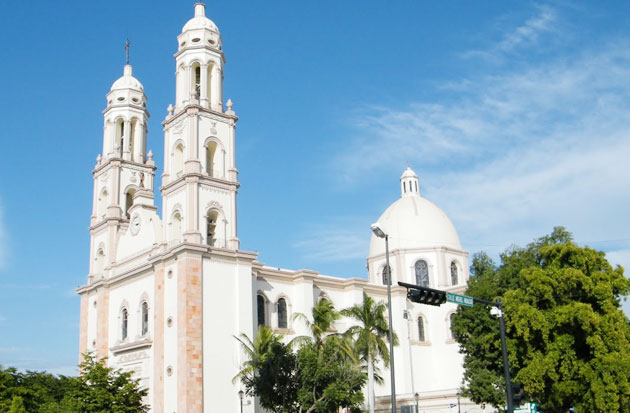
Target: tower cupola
{"x":409,"y":183}
{"x":199,"y":31}
{"x":199,"y":60}
{"x":127,"y":90}
{"x":126,"y":119}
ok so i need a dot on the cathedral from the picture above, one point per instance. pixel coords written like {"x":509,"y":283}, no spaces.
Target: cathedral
{"x":166,"y":293}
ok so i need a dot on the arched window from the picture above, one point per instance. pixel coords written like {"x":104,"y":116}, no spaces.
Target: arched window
{"x":99,"y":261}
{"x":132,"y":137}
{"x":282,"y":313}
{"x":175,"y":227}
{"x":103,"y":200}
{"x":211,"y":227}
{"x":145,"y":318}
{"x":123,"y":324}
{"x":385,"y":276}
{"x":450,"y":326}
{"x":178,"y":160}
{"x":129,"y":200}
{"x":120,"y":133}
{"x":209,"y":85}
{"x":260,"y":301}
{"x":197,"y":80}
{"x":454,"y":280}
{"x":211,"y":168}
{"x":422,"y":273}
{"x":421,"y":329}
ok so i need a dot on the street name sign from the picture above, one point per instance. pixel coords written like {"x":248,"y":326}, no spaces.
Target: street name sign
{"x":459,"y":299}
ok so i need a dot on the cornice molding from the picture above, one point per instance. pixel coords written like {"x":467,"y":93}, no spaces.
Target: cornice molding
{"x":199,"y":111}
{"x":136,"y":345}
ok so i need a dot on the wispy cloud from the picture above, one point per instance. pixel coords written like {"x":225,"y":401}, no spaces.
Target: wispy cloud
{"x":333,"y":243}
{"x":526,"y":35}
{"x":516,"y":152}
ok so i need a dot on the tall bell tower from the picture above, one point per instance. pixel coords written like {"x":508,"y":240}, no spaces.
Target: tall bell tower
{"x":123,"y":168}
{"x":200,"y":177}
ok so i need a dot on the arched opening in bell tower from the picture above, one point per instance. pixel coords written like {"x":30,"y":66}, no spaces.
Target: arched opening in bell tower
{"x":178,"y":160}
{"x":132,"y":138}
{"x":196,"y":80}
{"x":120,"y":133}
{"x":208,"y":85}
{"x":211,"y":151}
{"x":101,"y":210}
{"x":211,"y":227}
{"x":129,"y":200}
{"x":175,"y":227}
{"x":99,"y":261}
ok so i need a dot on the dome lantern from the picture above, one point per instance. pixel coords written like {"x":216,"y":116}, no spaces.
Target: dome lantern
{"x":409,"y":183}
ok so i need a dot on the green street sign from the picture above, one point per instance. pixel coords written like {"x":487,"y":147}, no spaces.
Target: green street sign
{"x":459,"y":299}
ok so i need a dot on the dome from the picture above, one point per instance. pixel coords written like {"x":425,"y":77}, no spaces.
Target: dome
{"x":414,"y":222}
{"x":200,"y":21}
{"x":127,"y":81}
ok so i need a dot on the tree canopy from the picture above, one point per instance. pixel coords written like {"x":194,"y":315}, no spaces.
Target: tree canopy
{"x":317,"y":374}
{"x":97,"y":389}
{"x":568,"y":339}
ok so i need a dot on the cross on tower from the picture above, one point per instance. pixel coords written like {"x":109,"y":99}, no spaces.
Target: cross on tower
{"x":127,"y":43}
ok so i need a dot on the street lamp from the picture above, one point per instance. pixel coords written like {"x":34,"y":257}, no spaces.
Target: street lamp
{"x":378,"y":231}
{"x":416,"y":397}
{"x":241,"y":395}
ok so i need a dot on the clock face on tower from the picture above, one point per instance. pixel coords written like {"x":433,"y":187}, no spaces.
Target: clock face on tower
{"x":135,"y":224}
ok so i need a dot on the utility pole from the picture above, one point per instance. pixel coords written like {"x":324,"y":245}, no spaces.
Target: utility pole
{"x":506,"y":366}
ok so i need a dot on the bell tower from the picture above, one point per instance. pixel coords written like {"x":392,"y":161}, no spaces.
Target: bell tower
{"x":200,"y":177}
{"x":122,"y":169}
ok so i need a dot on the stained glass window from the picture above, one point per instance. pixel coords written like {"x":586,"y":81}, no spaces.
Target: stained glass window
{"x":123,"y":317}
{"x":385,"y":276}
{"x":422,"y":273}
{"x":261,"y":310}
{"x":453,"y":273}
{"x":282,"y":313}
{"x":420,"y":329}
{"x":145,"y":318}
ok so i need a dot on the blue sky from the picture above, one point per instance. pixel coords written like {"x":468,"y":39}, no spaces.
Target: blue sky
{"x":516,"y":117}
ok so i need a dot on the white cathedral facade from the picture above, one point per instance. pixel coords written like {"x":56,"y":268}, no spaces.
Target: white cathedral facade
{"x":166,"y":295}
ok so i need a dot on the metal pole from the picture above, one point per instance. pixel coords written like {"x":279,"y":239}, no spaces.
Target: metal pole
{"x":413,"y":384}
{"x":391,"y":330}
{"x":506,"y":366}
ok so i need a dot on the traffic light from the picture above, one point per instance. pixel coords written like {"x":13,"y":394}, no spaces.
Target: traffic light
{"x":425,"y":295}
{"x":518,"y":393}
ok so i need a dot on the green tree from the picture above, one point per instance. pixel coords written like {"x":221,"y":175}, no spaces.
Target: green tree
{"x":17,"y":405}
{"x":270,"y":371}
{"x":321,"y":376}
{"x":102,"y":389}
{"x":369,"y":336}
{"x":324,"y":317}
{"x":568,"y":340}
{"x":329,"y":378}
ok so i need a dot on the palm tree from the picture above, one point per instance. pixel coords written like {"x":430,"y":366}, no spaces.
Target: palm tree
{"x":369,"y":336}
{"x":324,"y":317}
{"x":256,"y":351}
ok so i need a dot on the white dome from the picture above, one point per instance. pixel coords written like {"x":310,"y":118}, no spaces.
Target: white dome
{"x":200,"y":21}
{"x":414,"y":222}
{"x":127,"y":81}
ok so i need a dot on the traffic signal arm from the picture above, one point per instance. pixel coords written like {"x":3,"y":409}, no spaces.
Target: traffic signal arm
{"x":424,"y":295}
